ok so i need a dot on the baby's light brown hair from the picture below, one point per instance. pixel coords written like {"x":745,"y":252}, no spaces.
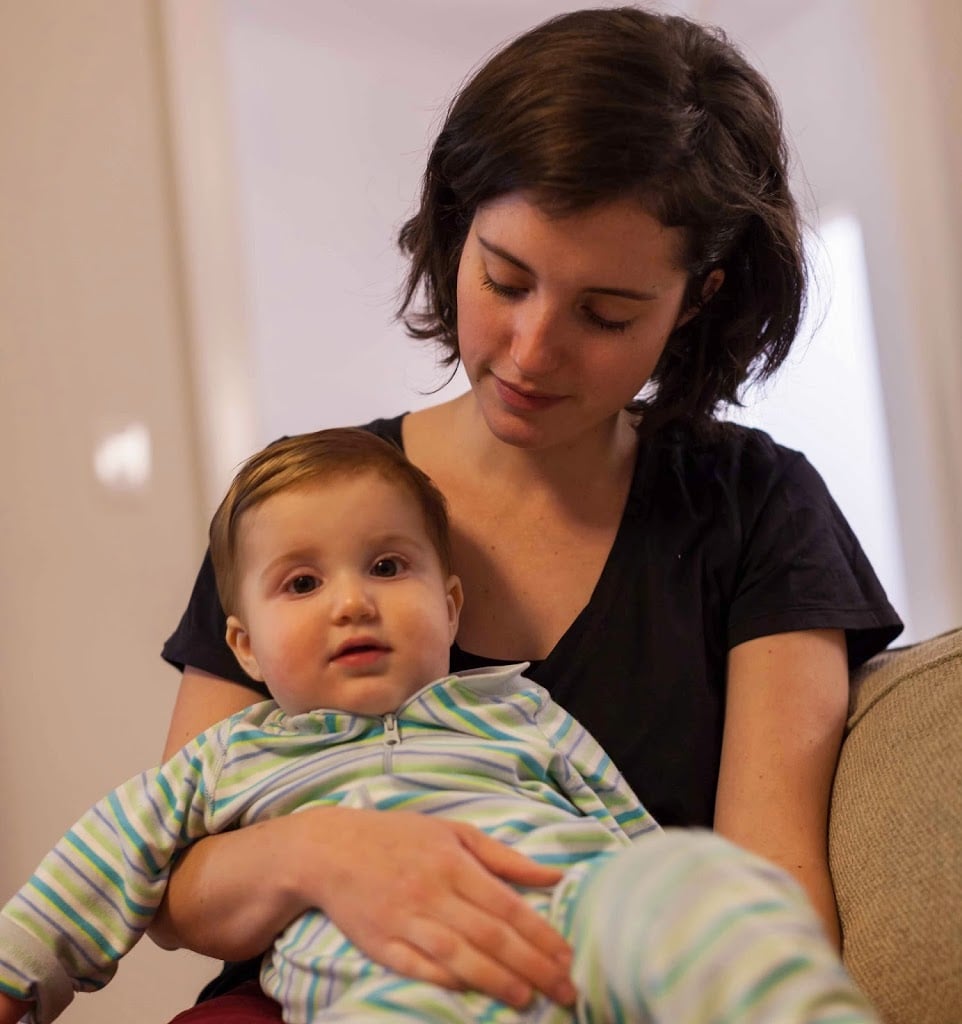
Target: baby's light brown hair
{"x":310,"y":458}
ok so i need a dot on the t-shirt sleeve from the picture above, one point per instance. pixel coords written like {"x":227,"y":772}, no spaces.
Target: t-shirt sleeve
{"x":200,"y":637}
{"x":801,"y":566}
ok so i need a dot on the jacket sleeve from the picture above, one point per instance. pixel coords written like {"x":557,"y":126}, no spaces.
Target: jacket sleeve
{"x":589,"y":777}
{"x":95,"y":893}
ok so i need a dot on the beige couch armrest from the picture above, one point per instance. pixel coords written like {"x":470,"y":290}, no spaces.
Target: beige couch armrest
{"x":895,"y":833}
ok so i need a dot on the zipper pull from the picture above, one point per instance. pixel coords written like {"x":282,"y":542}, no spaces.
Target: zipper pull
{"x":392,"y":737}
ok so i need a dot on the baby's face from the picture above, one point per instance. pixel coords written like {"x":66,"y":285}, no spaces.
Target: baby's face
{"x":343,"y":600}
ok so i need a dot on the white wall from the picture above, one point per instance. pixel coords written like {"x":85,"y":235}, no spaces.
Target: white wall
{"x":332,"y":107}
{"x":858,"y":83}
{"x":332,"y":110}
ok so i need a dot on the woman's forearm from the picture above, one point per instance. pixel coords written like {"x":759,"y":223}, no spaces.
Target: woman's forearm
{"x":229,"y":895}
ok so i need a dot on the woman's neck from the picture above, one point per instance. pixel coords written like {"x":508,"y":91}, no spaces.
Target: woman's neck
{"x":597,"y":461}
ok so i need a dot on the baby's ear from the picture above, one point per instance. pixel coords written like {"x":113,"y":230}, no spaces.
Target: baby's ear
{"x":239,"y":641}
{"x":455,"y":601}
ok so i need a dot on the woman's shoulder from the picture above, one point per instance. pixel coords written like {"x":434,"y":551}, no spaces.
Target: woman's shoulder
{"x":388,"y":427}
{"x":718,"y":460}
{"x":723,"y":442}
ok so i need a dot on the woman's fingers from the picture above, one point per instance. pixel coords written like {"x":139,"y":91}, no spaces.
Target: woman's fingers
{"x":473,"y":969}
{"x":503,"y":902}
{"x":485,"y":933}
{"x":489,"y":954}
{"x":504,"y":862}
{"x":399,"y":955}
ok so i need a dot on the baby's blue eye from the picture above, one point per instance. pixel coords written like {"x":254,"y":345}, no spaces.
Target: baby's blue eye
{"x":303,"y":584}
{"x":386,"y":568}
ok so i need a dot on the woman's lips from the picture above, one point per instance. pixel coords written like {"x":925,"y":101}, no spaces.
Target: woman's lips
{"x":524,"y":400}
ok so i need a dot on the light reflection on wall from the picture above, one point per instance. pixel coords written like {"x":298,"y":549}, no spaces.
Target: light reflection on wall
{"x":122,"y":458}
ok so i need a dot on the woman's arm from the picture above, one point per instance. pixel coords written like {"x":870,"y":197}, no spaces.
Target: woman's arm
{"x":202,"y":701}
{"x":786,"y":706}
{"x":424,"y":896}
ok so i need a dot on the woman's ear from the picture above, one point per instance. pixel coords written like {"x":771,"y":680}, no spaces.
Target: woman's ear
{"x":713,"y":282}
{"x":239,"y":641}
{"x":455,"y":594}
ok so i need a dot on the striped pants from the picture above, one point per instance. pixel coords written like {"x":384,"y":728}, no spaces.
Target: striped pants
{"x":682,"y":928}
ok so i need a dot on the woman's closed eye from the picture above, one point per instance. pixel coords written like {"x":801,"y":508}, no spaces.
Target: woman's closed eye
{"x":505,"y":291}
{"x":603,"y":323}
{"x":594,"y":318}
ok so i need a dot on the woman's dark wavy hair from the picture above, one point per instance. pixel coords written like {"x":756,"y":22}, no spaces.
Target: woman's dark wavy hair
{"x":603,"y":104}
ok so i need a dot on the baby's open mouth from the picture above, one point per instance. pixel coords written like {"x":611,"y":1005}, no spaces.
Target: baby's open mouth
{"x":360,"y":650}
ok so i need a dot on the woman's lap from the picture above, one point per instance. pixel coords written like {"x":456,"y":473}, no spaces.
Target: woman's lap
{"x":245,"y":1005}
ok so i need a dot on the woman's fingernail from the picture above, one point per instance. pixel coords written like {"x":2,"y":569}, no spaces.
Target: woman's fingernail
{"x":566,"y":994}
{"x":520,"y":996}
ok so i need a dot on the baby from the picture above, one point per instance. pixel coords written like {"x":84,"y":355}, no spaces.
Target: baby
{"x":332,"y":559}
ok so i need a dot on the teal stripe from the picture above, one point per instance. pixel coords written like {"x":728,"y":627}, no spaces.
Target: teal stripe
{"x":566,"y":726}
{"x":708,"y":937}
{"x":462,"y":714}
{"x":99,"y":940}
{"x":14,"y":992}
{"x":132,"y":834}
{"x":170,"y":797}
{"x":765,"y":985}
{"x":108,"y":872}
{"x":385,"y":999}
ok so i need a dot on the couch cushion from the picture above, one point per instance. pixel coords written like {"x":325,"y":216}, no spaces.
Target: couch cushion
{"x":895,"y":834}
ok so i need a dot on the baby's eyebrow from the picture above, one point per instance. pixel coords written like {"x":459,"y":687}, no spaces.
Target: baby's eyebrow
{"x":392,"y":540}
{"x":289,"y":558}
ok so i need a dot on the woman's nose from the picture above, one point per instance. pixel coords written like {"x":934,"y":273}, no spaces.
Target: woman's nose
{"x":536,"y":345}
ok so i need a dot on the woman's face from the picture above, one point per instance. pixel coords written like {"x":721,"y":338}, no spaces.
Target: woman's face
{"x":561,"y":320}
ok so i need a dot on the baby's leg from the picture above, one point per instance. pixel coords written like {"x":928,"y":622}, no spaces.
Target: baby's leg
{"x":686,"y":928}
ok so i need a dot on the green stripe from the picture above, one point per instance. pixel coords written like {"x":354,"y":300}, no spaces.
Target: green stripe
{"x":99,"y":940}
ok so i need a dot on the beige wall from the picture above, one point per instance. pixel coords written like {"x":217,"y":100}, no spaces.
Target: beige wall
{"x":91,"y":337}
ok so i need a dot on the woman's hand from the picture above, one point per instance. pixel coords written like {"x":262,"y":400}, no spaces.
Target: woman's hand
{"x":428,"y":897}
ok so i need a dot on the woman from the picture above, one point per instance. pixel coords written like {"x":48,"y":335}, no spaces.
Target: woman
{"x":607,"y":241}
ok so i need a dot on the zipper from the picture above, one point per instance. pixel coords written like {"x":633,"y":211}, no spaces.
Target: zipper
{"x":392,"y":737}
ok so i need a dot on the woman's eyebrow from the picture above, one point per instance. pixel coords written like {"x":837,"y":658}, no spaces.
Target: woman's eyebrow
{"x":505,"y":255}
{"x":621,"y":293}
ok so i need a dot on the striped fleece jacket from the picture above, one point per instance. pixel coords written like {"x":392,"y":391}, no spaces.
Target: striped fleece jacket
{"x":487,"y":747}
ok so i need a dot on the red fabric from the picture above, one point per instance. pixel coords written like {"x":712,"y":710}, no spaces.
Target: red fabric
{"x":245,"y":1005}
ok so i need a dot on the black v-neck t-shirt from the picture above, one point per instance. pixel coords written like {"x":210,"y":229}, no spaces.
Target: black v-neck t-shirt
{"x":726,"y":536}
